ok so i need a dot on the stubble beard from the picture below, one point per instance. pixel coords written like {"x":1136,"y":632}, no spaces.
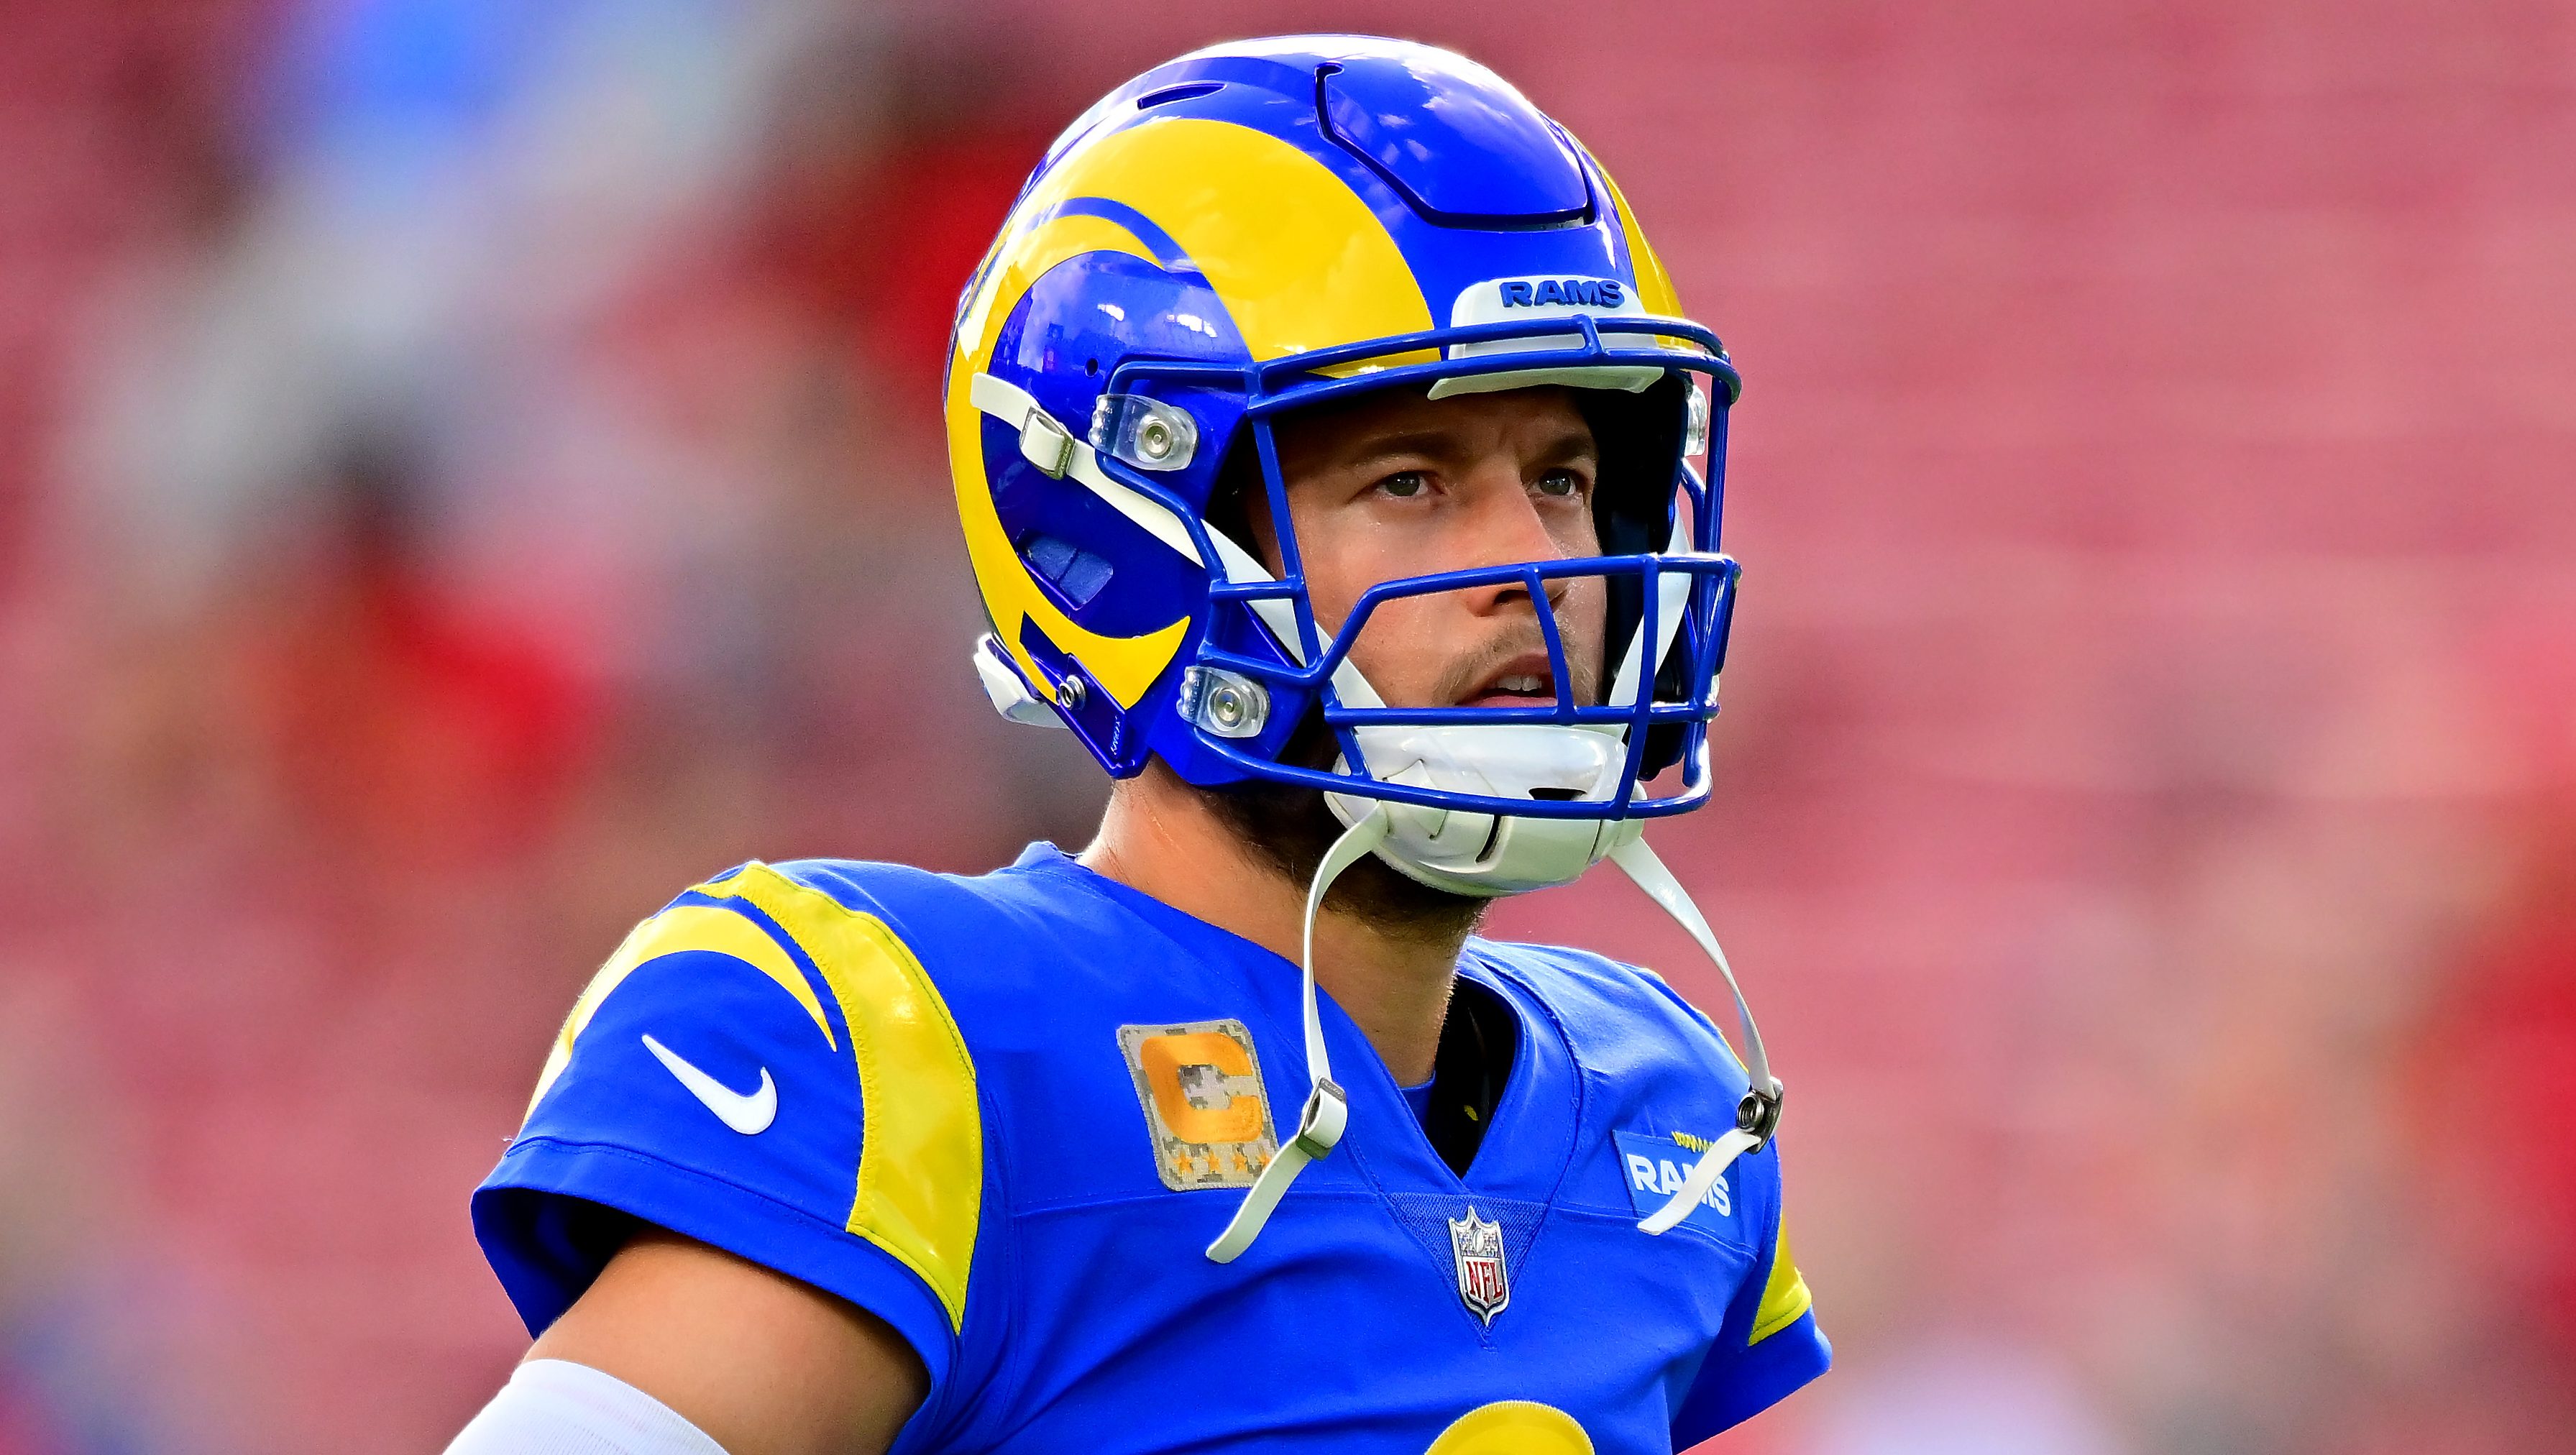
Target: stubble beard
{"x":1289,"y":829}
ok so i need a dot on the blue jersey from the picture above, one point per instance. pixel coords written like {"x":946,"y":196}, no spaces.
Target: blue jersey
{"x":1005,"y":1114}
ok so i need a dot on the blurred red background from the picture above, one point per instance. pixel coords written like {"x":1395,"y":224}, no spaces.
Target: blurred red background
{"x":467,"y":469}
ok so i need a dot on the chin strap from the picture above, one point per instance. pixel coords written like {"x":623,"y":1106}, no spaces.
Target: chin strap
{"x":1758,"y":1114}
{"x":1319,"y":1126}
{"x":1327,"y":1110}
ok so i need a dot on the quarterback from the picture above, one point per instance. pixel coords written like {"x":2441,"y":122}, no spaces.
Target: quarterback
{"x":1336,"y":465}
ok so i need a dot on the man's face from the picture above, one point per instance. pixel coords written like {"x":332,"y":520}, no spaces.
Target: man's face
{"x":1399,"y":485}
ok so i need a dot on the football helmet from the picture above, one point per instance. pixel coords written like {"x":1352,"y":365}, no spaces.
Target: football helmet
{"x":1265,"y":226}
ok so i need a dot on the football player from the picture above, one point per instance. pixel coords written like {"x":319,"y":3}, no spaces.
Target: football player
{"x":1336,"y":466}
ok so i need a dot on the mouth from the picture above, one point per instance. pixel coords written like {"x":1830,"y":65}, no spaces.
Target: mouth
{"x":1522,"y":681}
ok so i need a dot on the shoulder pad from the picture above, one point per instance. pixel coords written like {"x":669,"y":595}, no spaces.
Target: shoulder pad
{"x":764,"y":1033}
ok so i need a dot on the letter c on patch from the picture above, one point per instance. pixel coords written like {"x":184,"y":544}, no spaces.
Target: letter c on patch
{"x":1164,"y":1057}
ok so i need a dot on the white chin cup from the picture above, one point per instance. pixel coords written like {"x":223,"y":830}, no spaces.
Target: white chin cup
{"x":1486,"y":854}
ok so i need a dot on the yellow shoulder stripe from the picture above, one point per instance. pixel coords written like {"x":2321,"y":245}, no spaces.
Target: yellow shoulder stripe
{"x":682,"y":927}
{"x":921,"y":1162}
{"x":1784,"y":1295}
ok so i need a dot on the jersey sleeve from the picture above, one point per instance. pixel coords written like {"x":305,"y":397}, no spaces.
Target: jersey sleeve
{"x":1769,"y":1344}
{"x":764,"y":1069}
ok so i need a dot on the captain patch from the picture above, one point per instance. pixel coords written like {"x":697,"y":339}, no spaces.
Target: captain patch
{"x":1200,"y":1086}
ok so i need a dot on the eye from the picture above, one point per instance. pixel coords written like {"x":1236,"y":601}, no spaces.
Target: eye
{"x":1403,"y":484}
{"x":1562,"y":484}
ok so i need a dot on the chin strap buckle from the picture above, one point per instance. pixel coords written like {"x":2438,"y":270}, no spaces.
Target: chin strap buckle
{"x":1047,"y":444}
{"x":1320,"y":1126}
{"x":1758,"y":1114}
{"x":1319,"y":1130}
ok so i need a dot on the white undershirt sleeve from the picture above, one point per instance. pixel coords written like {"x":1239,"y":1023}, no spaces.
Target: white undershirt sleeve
{"x":554,"y":1407}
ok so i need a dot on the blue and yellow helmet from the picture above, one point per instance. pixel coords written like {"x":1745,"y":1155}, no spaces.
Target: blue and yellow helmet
{"x":1266,"y":225}
{"x":1258,"y":228}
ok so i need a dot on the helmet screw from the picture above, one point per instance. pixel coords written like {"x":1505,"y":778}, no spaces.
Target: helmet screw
{"x":1226,"y":707}
{"x":1154,"y":439}
{"x":1225,"y":703}
{"x":1070,"y":693}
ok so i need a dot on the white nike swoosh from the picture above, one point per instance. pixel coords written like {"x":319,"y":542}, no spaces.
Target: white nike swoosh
{"x":749,"y":1113}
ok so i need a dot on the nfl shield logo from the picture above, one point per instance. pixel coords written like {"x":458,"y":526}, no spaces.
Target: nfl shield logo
{"x":1482,"y":1281}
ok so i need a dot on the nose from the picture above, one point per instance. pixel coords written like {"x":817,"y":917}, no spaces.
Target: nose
{"x":1506,"y":529}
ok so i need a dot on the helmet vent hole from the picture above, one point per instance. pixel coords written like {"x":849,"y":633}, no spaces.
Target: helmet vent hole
{"x":1182,"y":92}
{"x":1091,"y":366}
{"x":1557,"y":795}
{"x":1076,"y":574}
